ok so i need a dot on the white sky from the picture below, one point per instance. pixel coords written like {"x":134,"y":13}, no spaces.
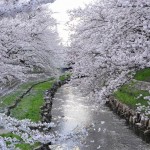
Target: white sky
{"x":61,"y":7}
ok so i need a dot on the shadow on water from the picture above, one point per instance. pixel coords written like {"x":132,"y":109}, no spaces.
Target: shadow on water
{"x":84,"y":125}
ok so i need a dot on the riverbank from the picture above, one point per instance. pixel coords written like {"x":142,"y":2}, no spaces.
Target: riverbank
{"x":132,"y":103}
{"x":30,"y":98}
{"x":82,"y":124}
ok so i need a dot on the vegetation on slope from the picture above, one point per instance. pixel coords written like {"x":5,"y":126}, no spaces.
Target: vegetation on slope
{"x":130,"y":94}
{"x":29,"y":106}
{"x":64,"y":76}
{"x":143,"y":75}
{"x":21,"y":145}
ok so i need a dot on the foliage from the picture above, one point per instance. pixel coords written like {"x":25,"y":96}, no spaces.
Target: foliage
{"x":25,"y":134}
{"x":131,"y":96}
{"x":12,"y":7}
{"x":31,"y":103}
{"x":27,"y":146}
{"x":29,"y":107}
{"x":21,"y":145}
{"x":65,"y":76}
{"x":28,"y":41}
{"x":143,"y":75}
{"x":8,"y":99}
{"x":109,"y":42}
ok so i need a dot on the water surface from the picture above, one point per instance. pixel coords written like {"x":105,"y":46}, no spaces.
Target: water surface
{"x":84,"y":125}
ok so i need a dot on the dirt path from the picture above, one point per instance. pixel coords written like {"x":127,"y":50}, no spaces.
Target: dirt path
{"x":142,"y":85}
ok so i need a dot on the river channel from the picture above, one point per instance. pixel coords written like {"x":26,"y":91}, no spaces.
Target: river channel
{"x":85,"y":125}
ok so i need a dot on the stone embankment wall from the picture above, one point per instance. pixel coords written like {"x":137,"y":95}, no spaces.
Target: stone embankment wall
{"x":134,"y":120}
{"x":47,"y":107}
{"x":49,"y":95}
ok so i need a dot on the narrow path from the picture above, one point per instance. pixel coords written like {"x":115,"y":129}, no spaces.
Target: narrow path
{"x":92,"y":127}
{"x":142,"y":85}
{"x":7,"y":88}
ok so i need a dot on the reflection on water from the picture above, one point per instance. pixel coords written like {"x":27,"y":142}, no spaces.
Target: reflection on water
{"x":89,"y":126}
{"x":70,"y":107}
{"x":75,"y":113}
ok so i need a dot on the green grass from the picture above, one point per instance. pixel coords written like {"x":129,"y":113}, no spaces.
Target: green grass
{"x":11,"y":135}
{"x":29,"y":107}
{"x":143,"y":75}
{"x":21,"y":145}
{"x":64,"y":77}
{"x":9,"y":99}
{"x":27,"y":146}
{"x":128,"y":94}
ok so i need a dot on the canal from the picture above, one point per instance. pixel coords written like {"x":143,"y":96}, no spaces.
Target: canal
{"x":85,"y":125}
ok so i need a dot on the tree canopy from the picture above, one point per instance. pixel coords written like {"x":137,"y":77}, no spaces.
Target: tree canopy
{"x":111,"y":39}
{"x":29,"y":40}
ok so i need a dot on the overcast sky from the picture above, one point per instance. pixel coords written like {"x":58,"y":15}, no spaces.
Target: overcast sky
{"x":61,"y":7}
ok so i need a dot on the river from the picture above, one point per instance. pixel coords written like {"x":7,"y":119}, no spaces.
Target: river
{"x":85,"y":125}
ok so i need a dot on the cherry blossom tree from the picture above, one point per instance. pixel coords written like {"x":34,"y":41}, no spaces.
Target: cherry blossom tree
{"x":29,"y":42}
{"x":110,"y":40}
{"x":12,"y":7}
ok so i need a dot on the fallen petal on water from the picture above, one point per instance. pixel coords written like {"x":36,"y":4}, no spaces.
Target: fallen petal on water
{"x":99,"y":147}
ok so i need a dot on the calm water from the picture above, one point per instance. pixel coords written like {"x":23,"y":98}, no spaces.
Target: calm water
{"x":83,"y":125}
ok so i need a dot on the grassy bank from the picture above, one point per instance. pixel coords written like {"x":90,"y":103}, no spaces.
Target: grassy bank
{"x":21,"y":145}
{"x":29,"y":106}
{"x":64,"y":76}
{"x":130,"y":95}
{"x":143,"y":75}
{"x":8,"y":99}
